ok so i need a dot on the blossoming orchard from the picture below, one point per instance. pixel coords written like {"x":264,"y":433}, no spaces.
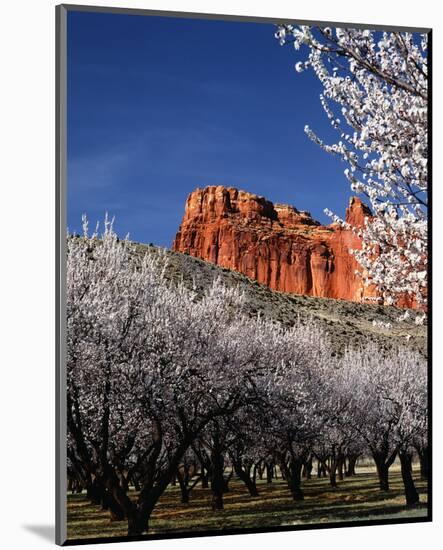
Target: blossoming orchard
{"x":268,"y":370}
{"x":375,"y":93}
{"x":170,"y":385}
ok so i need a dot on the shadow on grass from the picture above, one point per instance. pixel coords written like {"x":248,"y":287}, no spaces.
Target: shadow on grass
{"x":355,"y":498}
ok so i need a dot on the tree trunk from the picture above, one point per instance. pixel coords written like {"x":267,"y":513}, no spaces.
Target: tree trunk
{"x":135,"y":483}
{"x":411,"y":493}
{"x":98,"y":494}
{"x":205,"y":480}
{"x":226,"y":481}
{"x":269,"y":472}
{"x":244,"y":475}
{"x":138,"y":524}
{"x":123,"y":481}
{"x":307,"y":468}
{"x":383,"y":464}
{"x":139,"y":514}
{"x":350,"y":471}
{"x":294,"y":479}
{"x":383,"y":461}
{"x":333,"y":464}
{"x":321,"y":469}
{"x":217,"y":480}
{"x":340,"y":469}
{"x":183,"y":482}
{"x":383,"y":476}
{"x":116,"y":511}
{"x":94,"y":492}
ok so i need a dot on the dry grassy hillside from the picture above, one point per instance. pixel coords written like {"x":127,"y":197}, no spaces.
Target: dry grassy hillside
{"x":347,"y":323}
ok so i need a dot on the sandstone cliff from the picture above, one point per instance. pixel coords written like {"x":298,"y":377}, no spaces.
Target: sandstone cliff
{"x":275,"y":244}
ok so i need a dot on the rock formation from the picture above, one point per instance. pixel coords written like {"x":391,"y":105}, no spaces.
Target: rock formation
{"x":275,"y":244}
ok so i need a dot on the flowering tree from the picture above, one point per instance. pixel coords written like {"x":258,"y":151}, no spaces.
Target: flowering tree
{"x":410,"y":397}
{"x":149,"y":367}
{"x":375,"y":92}
{"x":187,"y":474}
{"x":335,"y":437}
{"x":386,"y":406}
{"x":158,"y":376}
{"x":290,"y":388}
{"x":247,"y":447}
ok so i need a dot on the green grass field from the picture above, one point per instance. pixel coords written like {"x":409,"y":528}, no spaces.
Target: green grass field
{"x":356,"y":499}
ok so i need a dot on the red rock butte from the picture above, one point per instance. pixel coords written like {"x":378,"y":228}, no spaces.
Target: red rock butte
{"x":275,"y":244}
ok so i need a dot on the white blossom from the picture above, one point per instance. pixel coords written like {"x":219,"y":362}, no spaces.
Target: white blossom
{"x":378,"y":83}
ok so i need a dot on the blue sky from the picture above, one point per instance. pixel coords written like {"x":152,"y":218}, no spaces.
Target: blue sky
{"x":160,"y":106}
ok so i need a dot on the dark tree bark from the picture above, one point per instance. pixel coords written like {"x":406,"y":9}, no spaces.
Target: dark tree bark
{"x":135,"y":483}
{"x":328,"y":466}
{"x":333,"y":476}
{"x":244,"y":473}
{"x":217,"y":479}
{"x":269,"y":472}
{"x":75,"y":485}
{"x":98,"y":494}
{"x":411,"y":494}
{"x":183,"y":482}
{"x":94,"y":492}
{"x":321,"y":469}
{"x":183,"y":474}
{"x":383,"y":475}
{"x":205,"y":466}
{"x":115,"y":510}
{"x":155,"y":479}
{"x":292,"y":475}
{"x":383,"y":461}
{"x":307,"y":468}
{"x":295,"y":468}
{"x":205,"y":479}
{"x":423,"y":456}
{"x":352,"y":461}
{"x":123,"y":481}
{"x":226,"y":481}
{"x":260,"y":471}
{"x":139,"y":513}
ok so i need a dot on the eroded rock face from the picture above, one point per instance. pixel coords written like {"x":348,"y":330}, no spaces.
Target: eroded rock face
{"x":275,"y":244}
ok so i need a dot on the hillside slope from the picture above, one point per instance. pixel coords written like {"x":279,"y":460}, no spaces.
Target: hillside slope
{"x":347,"y":323}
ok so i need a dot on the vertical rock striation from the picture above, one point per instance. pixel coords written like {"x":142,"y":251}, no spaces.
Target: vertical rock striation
{"x":275,"y":244}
